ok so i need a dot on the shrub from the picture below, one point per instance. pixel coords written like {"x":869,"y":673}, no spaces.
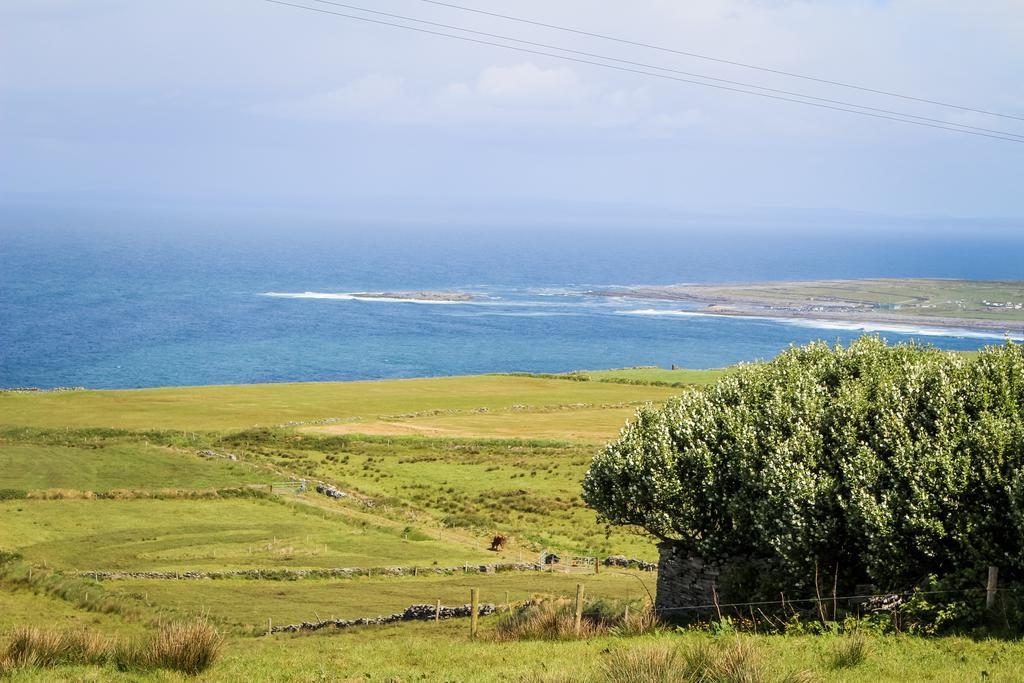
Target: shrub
{"x":12,"y":494}
{"x":888,"y":462}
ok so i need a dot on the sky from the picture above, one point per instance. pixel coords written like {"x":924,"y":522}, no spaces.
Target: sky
{"x":249,"y":103}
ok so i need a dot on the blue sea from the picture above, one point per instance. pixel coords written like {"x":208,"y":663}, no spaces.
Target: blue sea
{"x":133,"y":304}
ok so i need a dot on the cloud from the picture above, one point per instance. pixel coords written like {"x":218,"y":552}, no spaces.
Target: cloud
{"x":519,"y":93}
{"x":530,"y":84}
{"x":363,"y":96}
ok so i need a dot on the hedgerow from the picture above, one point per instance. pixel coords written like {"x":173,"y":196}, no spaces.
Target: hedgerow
{"x":889,"y":463}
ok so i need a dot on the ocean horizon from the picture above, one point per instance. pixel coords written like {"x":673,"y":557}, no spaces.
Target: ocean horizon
{"x":133,"y":306}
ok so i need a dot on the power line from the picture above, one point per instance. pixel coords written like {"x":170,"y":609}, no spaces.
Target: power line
{"x":951,"y":127}
{"x":720,"y":60}
{"x":666,"y":69}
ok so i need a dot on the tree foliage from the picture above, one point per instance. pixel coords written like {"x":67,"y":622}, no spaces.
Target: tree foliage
{"x":892,"y":462}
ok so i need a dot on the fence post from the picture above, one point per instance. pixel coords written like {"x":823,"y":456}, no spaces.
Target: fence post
{"x":508,"y":605}
{"x":579,"y":608}
{"x":270,"y":626}
{"x":474,"y":602}
{"x":597,"y":565}
{"x":990,"y":588}
{"x":437,"y":610}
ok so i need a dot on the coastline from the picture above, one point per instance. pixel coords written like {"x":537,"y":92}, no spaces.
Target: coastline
{"x":849,"y":302}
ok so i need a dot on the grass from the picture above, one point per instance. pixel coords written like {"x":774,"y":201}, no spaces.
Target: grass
{"x":248,"y":604}
{"x":208,"y":534}
{"x":554,"y":619}
{"x":221,"y":408}
{"x":527,"y":490}
{"x":514,"y":468}
{"x":25,"y":607}
{"x":189,"y":648}
{"x":121,"y":464}
{"x":655,"y":375}
{"x":850,"y":650}
{"x":443,"y":652}
{"x":589,"y":425}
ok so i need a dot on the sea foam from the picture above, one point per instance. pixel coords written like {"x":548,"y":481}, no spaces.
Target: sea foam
{"x":844,"y":325}
{"x":343,"y":296}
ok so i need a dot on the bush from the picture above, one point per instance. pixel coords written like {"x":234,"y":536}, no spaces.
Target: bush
{"x":887,"y":462}
{"x":13,"y":494}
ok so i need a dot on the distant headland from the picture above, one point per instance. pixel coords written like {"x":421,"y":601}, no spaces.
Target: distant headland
{"x":970,"y":304}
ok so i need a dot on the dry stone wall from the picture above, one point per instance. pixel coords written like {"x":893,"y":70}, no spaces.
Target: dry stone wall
{"x":686,"y":581}
{"x":411,"y":613}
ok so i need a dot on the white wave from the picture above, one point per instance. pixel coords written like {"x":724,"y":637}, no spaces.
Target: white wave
{"x":354,"y":296}
{"x":845,"y":325}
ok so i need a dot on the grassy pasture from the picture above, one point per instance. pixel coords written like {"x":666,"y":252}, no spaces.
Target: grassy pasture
{"x":428,"y":652}
{"x":241,"y":406}
{"x":170,"y":535}
{"x":25,"y":608}
{"x":122,"y":464}
{"x":657,"y":375}
{"x":250,"y":603}
{"x":591,"y":425}
{"x":526,"y":487}
{"x":527,"y":490}
{"x":443,"y":652}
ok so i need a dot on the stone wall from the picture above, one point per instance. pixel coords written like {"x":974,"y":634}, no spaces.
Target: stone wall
{"x":688,"y":581}
{"x":413,"y":613}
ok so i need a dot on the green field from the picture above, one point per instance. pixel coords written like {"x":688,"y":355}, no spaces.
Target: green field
{"x":170,"y":535}
{"x":113,"y":481}
{"x":655,"y":375}
{"x":241,"y":406}
{"x":121,"y":464}
{"x":248,"y":604}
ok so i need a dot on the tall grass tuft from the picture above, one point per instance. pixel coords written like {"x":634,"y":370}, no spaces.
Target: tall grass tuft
{"x":33,"y":646}
{"x":637,"y":622}
{"x":850,"y":650}
{"x":544,"y":620}
{"x":736,"y":662}
{"x":660,"y":664}
{"x":189,"y":647}
{"x":555,"y":620}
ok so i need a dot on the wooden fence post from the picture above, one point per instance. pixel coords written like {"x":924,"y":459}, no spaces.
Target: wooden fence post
{"x":474,"y":602}
{"x":437,"y":610}
{"x":578,"y":623}
{"x":990,"y":588}
{"x":597,"y":565}
{"x":270,"y":626}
